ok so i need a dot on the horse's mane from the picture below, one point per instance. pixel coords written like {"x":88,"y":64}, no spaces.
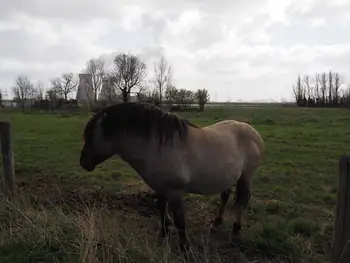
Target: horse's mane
{"x":141,"y":119}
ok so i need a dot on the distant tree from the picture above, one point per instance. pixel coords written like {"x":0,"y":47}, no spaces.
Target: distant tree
{"x":323,"y":88}
{"x":171,"y":94}
{"x":298,"y":92}
{"x":23,"y":90}
{"x":39,"y":91}
{"x":330,"y":88}
{"x":203,"y":97}
{"x":336,"y":89}
{"x":142,"y":92}
{"x":317,"y":94}
{"x":163,"y":73}
{"x":1,"y":96}
{"x":185,"y":98}
{"x":128,"y":74}
{"x":52,"y":94}
{"x":95,"y":67}
{"x":324,"y":91}
{"x":64,"y":85}
{"x":307,"y":90}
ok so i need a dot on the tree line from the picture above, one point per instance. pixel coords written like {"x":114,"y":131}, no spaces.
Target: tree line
{"x":322,"y":90}
{"x":128,"y":77}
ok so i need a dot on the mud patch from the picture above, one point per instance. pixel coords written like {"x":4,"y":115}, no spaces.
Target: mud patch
{"x":50,"y":192}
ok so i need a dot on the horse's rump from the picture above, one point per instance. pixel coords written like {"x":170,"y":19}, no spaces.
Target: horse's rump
{"x":221,"y":153}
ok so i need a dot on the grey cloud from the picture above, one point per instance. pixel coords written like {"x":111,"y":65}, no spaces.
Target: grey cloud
{"x":71,"y":10}
{"x":319,"y":9}
{"x":228,"y":71}
{"x":304,"y":33}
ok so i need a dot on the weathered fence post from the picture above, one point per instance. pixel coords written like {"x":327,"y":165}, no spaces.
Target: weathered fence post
{"x":7,"y":158}
{"x":340,"y":250}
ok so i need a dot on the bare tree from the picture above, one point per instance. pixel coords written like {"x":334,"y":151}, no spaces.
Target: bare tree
{"x":308,"y":90}
{"x":51,"y":94}
{"x":323,"y":88}
{"x":171,"y":94}
{"x":298,"y":91}
{"x":186,"y":98}
{"x":330,"y":87}
{"x":336,"y":89}
{"x":23,"y":90}
{"x":39,"y":90}
{"x":129,"y":72}
{"x":317,"y":88}
{"x":142,"y":92}
{"x":64,"y":85}
{"x":95,"y":67}
{"x":163,"y":72}
{"x":1,"y":97}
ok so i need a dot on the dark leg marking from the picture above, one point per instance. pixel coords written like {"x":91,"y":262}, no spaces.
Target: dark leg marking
{"x":225,"y":195}
{"x":166,"y":222}
{"x":242,"y":197}
{"x":178,"y":208}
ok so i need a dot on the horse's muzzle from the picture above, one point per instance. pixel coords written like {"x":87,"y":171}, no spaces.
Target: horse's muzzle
{"x":86,"y":161}
{"x":89,"y":160}
{"x":87,"y":164}
{"x":87,"y":167}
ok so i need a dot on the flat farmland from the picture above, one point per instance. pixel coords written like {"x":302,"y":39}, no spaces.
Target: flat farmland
{"x":64,"y":214}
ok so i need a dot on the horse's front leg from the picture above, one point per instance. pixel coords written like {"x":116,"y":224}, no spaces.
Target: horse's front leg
{"x":162,"y":202}
{"x":177,"y":206}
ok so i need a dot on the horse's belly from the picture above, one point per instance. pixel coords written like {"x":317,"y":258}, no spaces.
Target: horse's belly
{"x":211,"y":183}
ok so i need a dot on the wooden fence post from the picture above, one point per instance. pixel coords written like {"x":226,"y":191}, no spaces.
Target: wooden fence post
{"x":7,"y":158}
{"x":340,"y":250}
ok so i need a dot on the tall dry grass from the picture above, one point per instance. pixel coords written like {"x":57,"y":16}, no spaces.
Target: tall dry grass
{"x":93,"y":235}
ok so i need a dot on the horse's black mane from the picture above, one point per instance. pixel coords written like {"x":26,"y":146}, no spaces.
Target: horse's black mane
{"x":142,"y":119}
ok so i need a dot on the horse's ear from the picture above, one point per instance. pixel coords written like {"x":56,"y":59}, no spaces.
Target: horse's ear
{"x":101,"y":118}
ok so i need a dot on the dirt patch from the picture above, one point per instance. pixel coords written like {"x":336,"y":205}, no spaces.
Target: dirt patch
{"x":50,"y":191}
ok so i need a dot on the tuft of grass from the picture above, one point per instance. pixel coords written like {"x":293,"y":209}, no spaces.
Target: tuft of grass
{"x":303,"y":226}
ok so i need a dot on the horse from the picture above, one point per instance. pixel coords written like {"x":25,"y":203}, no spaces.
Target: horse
{"x":174,"y":157}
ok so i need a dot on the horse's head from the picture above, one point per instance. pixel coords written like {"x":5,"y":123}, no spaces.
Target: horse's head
{"x":97,"y":148}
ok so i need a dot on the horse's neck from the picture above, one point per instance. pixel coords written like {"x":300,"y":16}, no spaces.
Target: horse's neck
{"x":143,"y":153}
{"x":136,"y":151}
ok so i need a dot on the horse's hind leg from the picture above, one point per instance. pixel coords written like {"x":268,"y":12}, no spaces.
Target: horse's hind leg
{"x":166,"y":222}
{"x":242,"y":197}
{"x":225,"y":195}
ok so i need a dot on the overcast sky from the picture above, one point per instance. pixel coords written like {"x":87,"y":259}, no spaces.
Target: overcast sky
{"x":237,"y":49}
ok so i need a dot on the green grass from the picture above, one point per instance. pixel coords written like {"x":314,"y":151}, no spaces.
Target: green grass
{"x":63,"y":214}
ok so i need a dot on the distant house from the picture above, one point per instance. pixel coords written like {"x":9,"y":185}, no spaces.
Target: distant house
{"x":8,"y":104}
{"x":28,"y":103}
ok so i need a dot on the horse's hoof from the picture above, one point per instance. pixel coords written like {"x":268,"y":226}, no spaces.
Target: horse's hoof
{"x":236,"y":229}
{"x":218,"y":221}
{"x":214,"y":224}
{"x":236,"y":240}
{"x":212,"y":228}
{"x":184,"y":246}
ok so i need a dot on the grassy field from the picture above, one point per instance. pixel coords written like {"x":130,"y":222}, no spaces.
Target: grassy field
{"x":63,"y":214}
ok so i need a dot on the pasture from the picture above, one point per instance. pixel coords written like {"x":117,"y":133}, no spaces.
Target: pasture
{"x":64,"y":214}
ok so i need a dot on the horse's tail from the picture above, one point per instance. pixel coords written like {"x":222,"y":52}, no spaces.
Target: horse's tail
{"x":258,"y":139}
{"x":257,"y":143}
